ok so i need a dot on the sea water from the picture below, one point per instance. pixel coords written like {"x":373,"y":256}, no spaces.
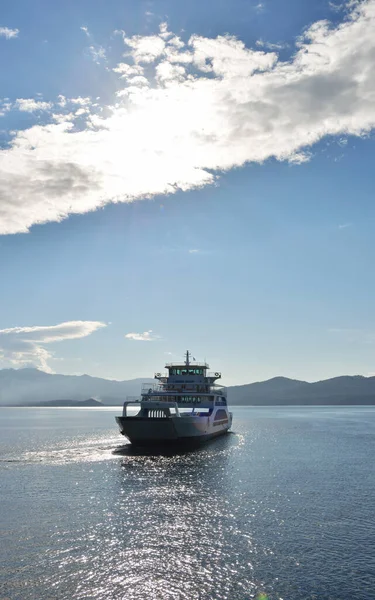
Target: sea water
{"x":281,"y":508}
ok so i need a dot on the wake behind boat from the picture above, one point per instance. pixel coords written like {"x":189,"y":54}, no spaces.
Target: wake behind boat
{"x":186,"y":406}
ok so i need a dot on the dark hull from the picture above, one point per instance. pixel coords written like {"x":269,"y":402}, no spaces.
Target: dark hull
{"x":171,"y":440}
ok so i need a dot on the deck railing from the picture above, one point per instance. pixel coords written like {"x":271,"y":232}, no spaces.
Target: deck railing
{"x":218,"y":389}
{"x":212,"y":374}
{"x":133,"y":398}
{"x":192,"y":365}
{"x":152,"y":388}
{"x":192,"y":388}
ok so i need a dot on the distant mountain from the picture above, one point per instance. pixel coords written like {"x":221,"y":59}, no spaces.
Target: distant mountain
{"x":31,"y":386}
{"x":77,"y":403}
{"x":281,"y":391}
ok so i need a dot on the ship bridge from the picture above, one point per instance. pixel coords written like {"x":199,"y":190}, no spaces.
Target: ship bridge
{"x":187,"y":384}
{"x":188,"y":372}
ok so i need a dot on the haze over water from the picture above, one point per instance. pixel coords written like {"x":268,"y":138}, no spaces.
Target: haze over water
{"x":282,"y":506}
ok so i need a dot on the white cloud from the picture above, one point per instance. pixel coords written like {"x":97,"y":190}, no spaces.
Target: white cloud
{"x":24,"y":346}
{"x":345,"y":225}
{"x":164,"y":33}
{"x":194,"y":251}
{"x":145,"y":48}
{"x":98,"y":53}
{"x":259,"y":7}
{"x":224,"y":106}
{"x":79,"y":100}
{"x":127,"y":71}
{"x":30,"y":105}
{"x":5,"y":107}
{"x":63,"y":118}
{"x":146,"y":336}
{"x":228,"y":57}
{"x":270,"y":46}
{"x":137,"y":80}
{"x":336,"y":7}
{"x":165,"y":71}
{"x":9,"y":33}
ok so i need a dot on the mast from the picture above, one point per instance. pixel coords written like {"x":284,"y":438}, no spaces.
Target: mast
{"x":187,"y":361}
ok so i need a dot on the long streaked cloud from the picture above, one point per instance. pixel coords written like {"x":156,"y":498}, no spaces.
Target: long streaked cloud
{"x":9,"y":33}
{"x":185,"y":113}
{"x":146,"y":336}
{"x":269,"y":46}
{"x":25,"y":346}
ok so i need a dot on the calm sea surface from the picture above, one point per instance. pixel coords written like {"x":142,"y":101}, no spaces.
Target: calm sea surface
{"x":283,"y":507}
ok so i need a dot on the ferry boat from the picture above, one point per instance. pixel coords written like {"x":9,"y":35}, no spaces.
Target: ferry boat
{"x":185,"y":406}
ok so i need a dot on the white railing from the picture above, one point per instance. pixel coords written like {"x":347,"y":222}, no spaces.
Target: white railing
{"x":211,"y":374}
{"x":133,"y":398}
{"x":218,"y":389}
{"x":191,"y":365}
{"x":188,"y":388}
{"x":152,"y":388}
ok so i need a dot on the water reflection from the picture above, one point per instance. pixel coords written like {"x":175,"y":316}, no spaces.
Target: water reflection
{"x":268,"y":509}
{"x":176,"y":523}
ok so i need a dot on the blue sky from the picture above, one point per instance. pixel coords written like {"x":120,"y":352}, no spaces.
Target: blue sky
{"x":187,"y":176}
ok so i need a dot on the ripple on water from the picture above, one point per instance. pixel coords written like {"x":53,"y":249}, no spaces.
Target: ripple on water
{"x":169,"y":534}
{"x":277,"y":510}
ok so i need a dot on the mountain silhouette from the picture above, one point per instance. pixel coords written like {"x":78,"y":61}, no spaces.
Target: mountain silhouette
{"x":32,"y":386}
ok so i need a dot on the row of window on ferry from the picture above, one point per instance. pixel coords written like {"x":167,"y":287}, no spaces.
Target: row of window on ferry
{"x":198,"y":400}
{"x":186,"y":371}
{"x":183,"y":399}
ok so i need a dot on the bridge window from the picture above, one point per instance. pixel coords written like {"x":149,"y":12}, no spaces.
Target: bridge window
{"x":186,"y":372}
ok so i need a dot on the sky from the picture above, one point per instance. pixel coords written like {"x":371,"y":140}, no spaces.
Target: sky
{"x":187,"y":176}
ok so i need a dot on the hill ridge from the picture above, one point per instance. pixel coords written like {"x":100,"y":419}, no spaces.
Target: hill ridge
{"x":33,"y":386}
